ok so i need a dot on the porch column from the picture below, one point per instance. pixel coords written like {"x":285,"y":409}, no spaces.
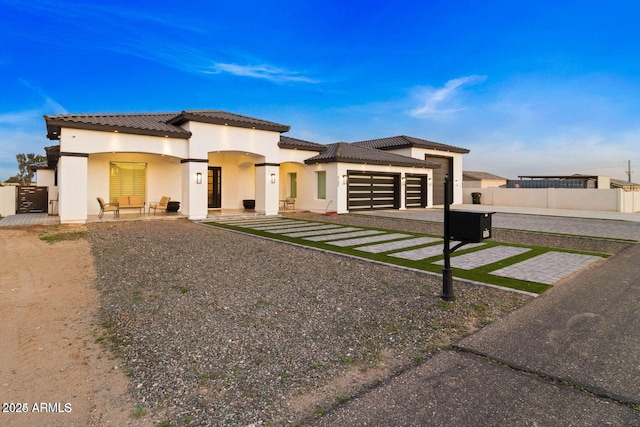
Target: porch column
{"x":72,"y":185}
{"x":267,"y":188}
{"x":194,"y":188}
{"x":403,"y":191}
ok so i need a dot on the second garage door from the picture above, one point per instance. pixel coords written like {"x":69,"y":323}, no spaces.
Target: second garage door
{"x":372,"y":190}
{"x":416,"y":191}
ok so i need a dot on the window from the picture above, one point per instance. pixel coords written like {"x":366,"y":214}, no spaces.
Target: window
{"x":127,"y":179}
{"x":293,"y":185}
{"x":321,"y":179}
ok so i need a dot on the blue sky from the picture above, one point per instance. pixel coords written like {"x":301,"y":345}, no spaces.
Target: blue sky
{"x":544,"y":87}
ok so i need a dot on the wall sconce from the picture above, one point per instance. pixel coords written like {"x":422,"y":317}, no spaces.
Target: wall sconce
{"x":344,"y":179}
{"x":273,"y":178}
{"x":402,"y":179}
{"x":199,"y":178}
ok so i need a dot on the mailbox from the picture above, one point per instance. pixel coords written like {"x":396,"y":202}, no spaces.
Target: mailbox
{"x":469,"y":226}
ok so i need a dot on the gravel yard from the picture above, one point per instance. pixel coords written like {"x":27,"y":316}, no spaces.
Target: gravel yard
{"x":219,"y":328}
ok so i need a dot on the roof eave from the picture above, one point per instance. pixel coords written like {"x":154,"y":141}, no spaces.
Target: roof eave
{"x":54,"y":129}
{"x":186,"y":117}
{"x":300,"y":148}
{"x":373,"y":162}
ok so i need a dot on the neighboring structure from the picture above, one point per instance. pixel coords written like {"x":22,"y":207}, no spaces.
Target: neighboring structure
{"x":473,"y":179}
{"x":624,"y":185}
{"x":560,"y":181}
{"x":209,"y":159}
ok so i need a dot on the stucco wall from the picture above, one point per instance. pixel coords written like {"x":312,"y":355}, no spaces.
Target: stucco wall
{"x":609,"y":200}
{"x":208,"y":137}
{"x":87,"y":141}
{"x":73,"y":186}
{"x":631,"y":201}
{"x":8,"y":200}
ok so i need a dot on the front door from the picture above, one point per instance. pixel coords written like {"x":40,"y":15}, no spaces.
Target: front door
{"x":214,"y":191}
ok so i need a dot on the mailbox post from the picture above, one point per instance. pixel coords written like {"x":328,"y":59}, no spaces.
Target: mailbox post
{"x":447,"y":284}
{"x":465,"y":227}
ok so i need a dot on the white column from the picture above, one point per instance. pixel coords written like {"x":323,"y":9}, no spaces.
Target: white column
{"x":403,"y":191}
{"x":194,"y":188}
{"x":267,"y":186}
{"x":72,"y":184}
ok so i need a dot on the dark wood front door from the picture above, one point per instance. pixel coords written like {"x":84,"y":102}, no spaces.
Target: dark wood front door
{"x":214,"y":191}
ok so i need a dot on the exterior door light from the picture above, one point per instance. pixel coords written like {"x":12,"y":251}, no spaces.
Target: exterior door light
{"x":199,"y":178}
{"x":273,"y":178}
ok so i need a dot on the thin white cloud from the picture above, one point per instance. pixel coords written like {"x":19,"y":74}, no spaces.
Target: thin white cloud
{"x":439,"y":102}
{"x":266,"y":72}
{"x":169,"y":41}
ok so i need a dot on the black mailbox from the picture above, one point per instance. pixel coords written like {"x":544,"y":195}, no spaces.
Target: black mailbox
{"x":469,"y":226}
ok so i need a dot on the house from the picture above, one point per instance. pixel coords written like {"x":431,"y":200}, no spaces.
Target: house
{"x":473,"y":179}
{"x":211,"y":159}
{"x":625,"y":185}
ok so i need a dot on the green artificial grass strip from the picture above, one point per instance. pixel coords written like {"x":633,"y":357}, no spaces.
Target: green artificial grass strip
{"x":481,"y":274}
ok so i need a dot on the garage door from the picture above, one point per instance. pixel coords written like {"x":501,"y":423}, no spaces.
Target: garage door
{"x":446,"y":167}
{"x":371,"y":190}
{"x":415,"y":191}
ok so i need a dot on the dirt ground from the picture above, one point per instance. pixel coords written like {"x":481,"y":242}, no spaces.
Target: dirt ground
{"x":52,"y":371}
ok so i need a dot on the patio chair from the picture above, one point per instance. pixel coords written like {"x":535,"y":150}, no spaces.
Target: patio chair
{"x":162,"y":204}
{"x":290,"y":201}
{"x":105,"y":207}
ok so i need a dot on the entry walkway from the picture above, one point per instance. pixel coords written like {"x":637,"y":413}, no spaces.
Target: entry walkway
{"x":500,"y":260}
{"x":29,"y":219}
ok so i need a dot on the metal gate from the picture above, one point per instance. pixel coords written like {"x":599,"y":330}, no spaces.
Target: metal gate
{"x":32,"y":199}
{"x":415,"y":191}
{"x":372,"y":190}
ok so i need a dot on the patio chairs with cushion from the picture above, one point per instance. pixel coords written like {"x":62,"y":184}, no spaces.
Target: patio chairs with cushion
{"x":135,"y":202}
{"x":105,"y":207}
{"x":162,"y":204}
{"x":290,"y":201}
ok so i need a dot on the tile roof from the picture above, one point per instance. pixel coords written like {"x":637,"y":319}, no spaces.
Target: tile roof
{"x":299,"y":144}
{"x":156,"y":124}
{"x":39,"y":165}
{"x":403,"y":141}
{"x":144,"y":124}
{"x":619,"y":183}
{"x":351,"y":153}
{"x":223,"y":118}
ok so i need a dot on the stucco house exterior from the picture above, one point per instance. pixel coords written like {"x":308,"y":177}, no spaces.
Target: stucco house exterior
{"x":211,"y":159}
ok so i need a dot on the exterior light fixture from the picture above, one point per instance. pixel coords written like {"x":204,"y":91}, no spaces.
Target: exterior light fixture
{"x":403,"y":179}
{"x":344,"y":179}
{"x":273,"y":178}
{"x":199,"y":178}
